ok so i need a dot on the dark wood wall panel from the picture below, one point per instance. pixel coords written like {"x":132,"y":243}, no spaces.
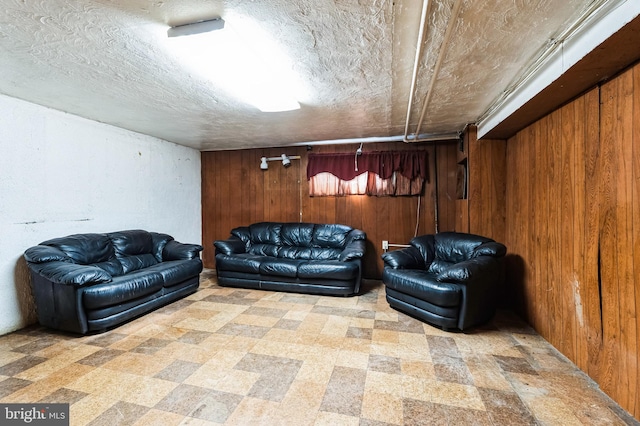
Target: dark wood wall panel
{"x":236,"y":192}
{"x":487,"y":183}
{"x":572,"y":211}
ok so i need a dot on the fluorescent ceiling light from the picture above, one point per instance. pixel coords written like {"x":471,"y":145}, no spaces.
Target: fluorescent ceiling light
{"x":196,"y":28}
{"x":244,"y":63}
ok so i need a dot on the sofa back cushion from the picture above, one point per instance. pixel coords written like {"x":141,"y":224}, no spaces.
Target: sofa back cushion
{"x":426,"y":246}
{"x":265,"y":233}
{"x":134,"y":249}
{"x":296,"y":234}
{"x":89,"y":249}
{"x":296,"y":240}
{"x":84,"y":249}
{"x":309,"y":253}
{"x":331,"y":235}
{"x":457,"y":247}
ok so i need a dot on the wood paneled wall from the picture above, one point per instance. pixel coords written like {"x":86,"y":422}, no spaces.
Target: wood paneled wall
{"x":236,"y":192}
{"x":486,"y":160}
{"x":573,"y":232}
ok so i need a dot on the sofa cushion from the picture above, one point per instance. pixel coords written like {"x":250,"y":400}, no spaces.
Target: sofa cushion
{"x":457,"y":247}
{"x":265,"y":233}
{"x":280,"y":267}
{"x":265,"y":249}
{"x":438,"y":266}
{"x":309,"y":253}
{"x":331,"y":269}
{"x":296,"y":234}
{"x":137,"y":262}
{"x":85,"y":249}
{"x":159,"y":242}
{"x":330,"y":235}
{"x":134,"y":249}
{"x":175,"y":271}
{"x":112,"y":266}
{"x":122,"y":289}
{"x":426,"y":246}
{"x":422,"y":285}
{"x":295,"y":252}
{"x":245,"y":262}
{"x":132,"y":242}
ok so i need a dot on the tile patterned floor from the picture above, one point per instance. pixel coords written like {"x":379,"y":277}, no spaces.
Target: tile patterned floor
{"x":240,"y":357}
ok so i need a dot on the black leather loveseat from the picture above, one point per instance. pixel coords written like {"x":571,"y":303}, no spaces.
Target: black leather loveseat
{"x":296,"y":257}
{"x":90,"y":282}
{"x":448,"y":279}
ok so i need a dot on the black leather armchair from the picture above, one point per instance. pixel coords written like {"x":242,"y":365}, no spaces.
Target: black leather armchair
{"x":449,"y":279}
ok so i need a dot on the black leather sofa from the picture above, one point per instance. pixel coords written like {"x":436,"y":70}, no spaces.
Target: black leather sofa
{"x":295,"y":257}
{"x":90,"y":282}
{"x":449,"y":279}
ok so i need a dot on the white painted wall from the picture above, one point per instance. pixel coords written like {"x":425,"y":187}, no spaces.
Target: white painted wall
{"x":61,"y":174}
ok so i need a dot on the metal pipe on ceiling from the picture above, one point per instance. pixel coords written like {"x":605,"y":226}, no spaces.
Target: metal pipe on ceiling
{"x":416,"y":65}
{"x":441,"y":54}
{"x":423,"y":138}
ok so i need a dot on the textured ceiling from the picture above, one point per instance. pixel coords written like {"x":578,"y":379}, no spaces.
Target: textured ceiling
{"x":349,"y":63}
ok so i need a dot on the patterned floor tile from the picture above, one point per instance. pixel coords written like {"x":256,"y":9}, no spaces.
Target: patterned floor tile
{"x":384,"y":364}
{"x":241,"y":356}
{"x":150,"y":346}
{"x":194,"y":337}
{"x":345,"y":391}
{"x":178,"y":371}
{"x":11,"y":385}
{"x":20,"y":365}
{"x":63,"y":395}
{"x":121,"y":413}
{"x":36,"y":346}
{"x":100,"y":357}
{"x":359,"y":333}
{"x":276,"y":375}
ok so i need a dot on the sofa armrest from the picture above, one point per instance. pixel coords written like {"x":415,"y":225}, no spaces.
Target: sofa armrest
{"x":478,"y":268}
{"x":71,"y":273}
{"x":43,"y":254}
{"x":174,"y":250}
{"x":354,"y":250}
{"x":406,"y":258}
{"x":230,"y":246}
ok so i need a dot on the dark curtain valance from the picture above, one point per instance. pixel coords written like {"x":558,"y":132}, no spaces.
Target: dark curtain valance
{"x":346,"y":166}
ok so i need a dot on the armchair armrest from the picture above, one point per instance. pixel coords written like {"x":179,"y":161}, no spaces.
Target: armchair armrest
{"x":354,"y":250}
{"x":476,"y":268}
{"x":71,"y":273}
{"x":406,"y":258}
{"x":174,"y":250}
{"x":480,"y":279}
{"x":491,"y":248}
{"x":230,"y":246}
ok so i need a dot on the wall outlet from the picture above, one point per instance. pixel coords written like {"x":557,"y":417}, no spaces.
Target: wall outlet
{"x":385,"y":245}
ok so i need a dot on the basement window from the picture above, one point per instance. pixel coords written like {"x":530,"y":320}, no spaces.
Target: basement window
{"x":381,"y":173}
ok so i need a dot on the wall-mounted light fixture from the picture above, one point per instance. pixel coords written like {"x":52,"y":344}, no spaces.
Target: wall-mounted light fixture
{"x":286,"y":160}
{"x":196,"y":27}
